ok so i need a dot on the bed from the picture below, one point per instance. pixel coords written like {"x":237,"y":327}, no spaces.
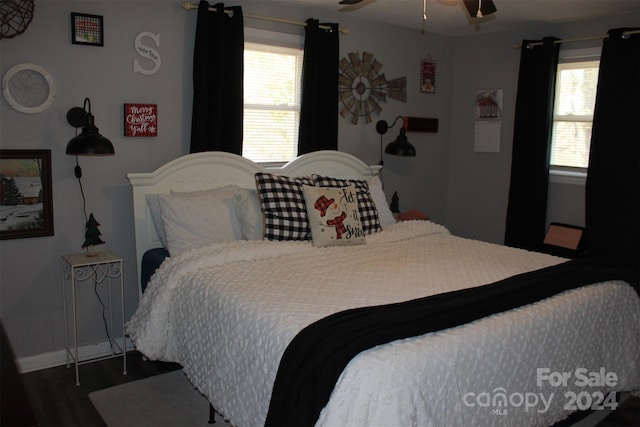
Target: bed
{"x":228,"y":309}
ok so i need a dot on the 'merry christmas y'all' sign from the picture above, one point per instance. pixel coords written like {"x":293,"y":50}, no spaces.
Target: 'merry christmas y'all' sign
{"x":140,"y":120}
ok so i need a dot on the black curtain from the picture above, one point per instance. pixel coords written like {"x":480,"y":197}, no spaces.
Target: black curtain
{"x":216,"y":122}
{"x":527,"y":208}
{"x":319,"y":104}
{"x":612,"y":217}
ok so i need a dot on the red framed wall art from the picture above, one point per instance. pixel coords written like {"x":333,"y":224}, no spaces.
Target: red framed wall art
{"x":140,"y":120}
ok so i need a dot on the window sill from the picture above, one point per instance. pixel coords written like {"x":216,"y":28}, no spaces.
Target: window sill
{"x":272,"y":165}
{"x":557,"y":176}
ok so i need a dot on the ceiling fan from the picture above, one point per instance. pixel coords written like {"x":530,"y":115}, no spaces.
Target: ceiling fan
{"x":351,"y":5}
{"x":476,"y":8}
{"x":479,"y":8}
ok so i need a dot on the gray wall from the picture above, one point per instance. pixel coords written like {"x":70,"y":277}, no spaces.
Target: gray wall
{"x":466,"y":191}
{"x":31,"y":305}
{"x":478,"y":188}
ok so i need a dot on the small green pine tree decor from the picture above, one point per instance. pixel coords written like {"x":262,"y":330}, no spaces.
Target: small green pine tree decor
{"x":91,"y":236}
{"x":394,"y":206}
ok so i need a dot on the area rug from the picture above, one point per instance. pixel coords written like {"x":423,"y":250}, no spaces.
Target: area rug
{"x":163,"y":400}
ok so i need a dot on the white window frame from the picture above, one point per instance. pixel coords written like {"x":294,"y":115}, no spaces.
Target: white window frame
{"x":275,"y":40}
{"x":566,"y":175}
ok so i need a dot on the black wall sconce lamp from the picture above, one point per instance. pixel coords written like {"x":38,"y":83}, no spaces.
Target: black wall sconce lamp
{"x":401,"y":145}
{"x":88,"y":143}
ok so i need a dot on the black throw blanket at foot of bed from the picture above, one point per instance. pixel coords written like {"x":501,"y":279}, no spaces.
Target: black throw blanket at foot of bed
{"x":316,"y":357}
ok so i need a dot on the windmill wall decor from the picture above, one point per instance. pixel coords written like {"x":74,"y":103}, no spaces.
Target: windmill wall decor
{"x":362,"y":88}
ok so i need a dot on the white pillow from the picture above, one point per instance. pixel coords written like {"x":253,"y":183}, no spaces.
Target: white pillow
{"x":199,"y":218}
{"x":250,"y":214}
{"x":227,"y":192}
{"x":153,"y":201}
{"x":334,"y":216}
{"x":379,"y":198}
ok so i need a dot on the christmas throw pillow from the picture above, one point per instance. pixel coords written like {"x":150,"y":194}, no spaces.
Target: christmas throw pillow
{"x":334,"y":216}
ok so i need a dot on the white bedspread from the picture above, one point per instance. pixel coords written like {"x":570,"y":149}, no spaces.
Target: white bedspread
{"x":227,"y":312}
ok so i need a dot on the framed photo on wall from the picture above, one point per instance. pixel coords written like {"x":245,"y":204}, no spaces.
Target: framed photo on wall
{"x":428,"y":75}
{"x":87,"y":29}
{"x":26,"y":208}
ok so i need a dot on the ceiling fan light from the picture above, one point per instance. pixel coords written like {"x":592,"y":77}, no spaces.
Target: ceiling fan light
{"x":479,"y":8}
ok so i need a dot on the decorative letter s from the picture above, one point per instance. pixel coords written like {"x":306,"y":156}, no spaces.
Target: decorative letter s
{"x":147,"y":52}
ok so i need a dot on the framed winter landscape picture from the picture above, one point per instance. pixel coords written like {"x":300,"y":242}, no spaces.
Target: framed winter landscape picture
{"x":26,"y":208}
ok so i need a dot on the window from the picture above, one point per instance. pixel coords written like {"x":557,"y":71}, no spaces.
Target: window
{"x":576,"y":84}
{"x":272,"y":80}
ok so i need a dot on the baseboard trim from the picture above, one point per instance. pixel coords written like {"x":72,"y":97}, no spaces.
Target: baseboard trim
{"x":59,"y":357}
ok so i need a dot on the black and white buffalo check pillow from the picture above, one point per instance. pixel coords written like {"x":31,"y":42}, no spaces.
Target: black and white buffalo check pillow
{"x":283,"y":206}
{"x":368,"y":211}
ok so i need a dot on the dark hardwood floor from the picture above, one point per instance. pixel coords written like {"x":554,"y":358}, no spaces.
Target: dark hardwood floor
{"x":57,"y":401}
{"x":627,"y":415}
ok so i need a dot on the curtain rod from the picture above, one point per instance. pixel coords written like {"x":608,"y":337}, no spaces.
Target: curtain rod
{"x":193,"y":6}
{"x":577,"y":39}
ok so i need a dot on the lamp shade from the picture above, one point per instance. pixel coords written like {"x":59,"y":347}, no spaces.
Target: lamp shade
{"x":90,"y":143}
{"x":401,"y":146}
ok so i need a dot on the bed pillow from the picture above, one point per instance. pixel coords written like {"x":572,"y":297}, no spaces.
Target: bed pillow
{"x":283,"y":206}
{"x":334,"y":217}
{"x":199,"y":218}
{"x":153,"y":202}
{"x":227,"y":194}
{"x":366,"y":206}
{"x":377,"y":194}
{"x":250,"y":214}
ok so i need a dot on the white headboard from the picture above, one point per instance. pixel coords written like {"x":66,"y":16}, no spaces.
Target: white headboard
{"x":214,"y":169}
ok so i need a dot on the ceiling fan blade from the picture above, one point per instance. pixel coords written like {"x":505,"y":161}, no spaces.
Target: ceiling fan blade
{"x":487,"y":7}
{"x":352,"y":5}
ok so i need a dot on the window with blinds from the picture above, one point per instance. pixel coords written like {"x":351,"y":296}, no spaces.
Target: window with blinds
{"x":575,"y":98}
{"x":272,"y":76}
